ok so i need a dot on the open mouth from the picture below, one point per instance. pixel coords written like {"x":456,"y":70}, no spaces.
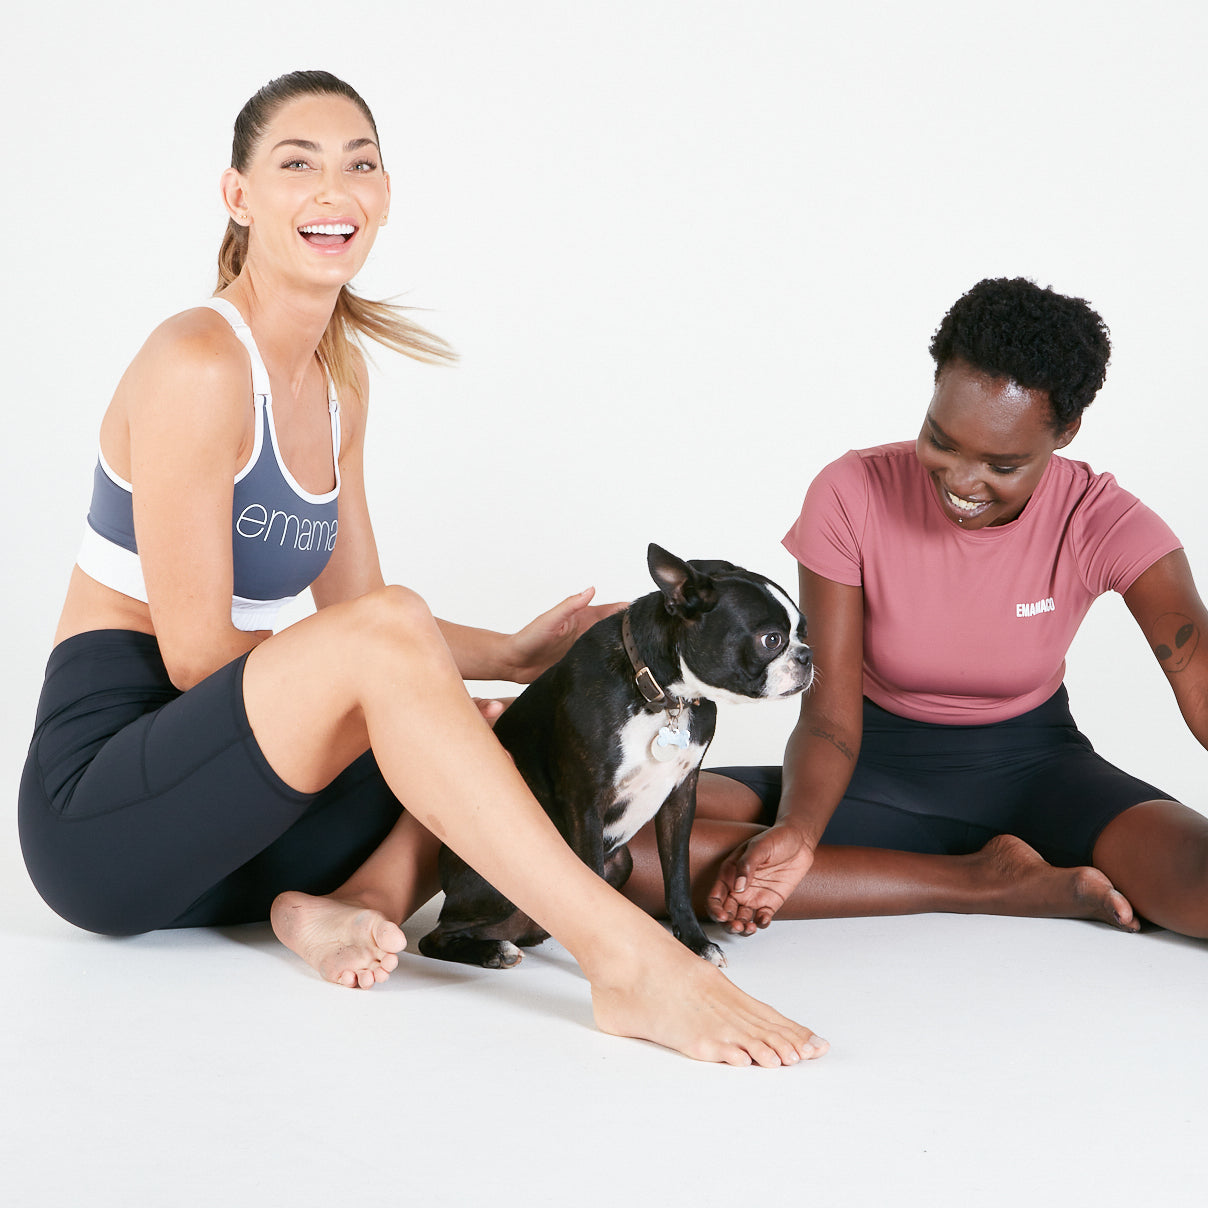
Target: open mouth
{"x":327,"y":234}
{"x":966,"y":507}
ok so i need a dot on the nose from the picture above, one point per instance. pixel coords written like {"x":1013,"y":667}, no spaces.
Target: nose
{"x":332,"y":185}
{"x":963,"y":479}
{"x":804,"y":656}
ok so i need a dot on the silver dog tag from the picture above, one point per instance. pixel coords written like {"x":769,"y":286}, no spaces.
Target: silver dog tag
{"x":668,"y":743}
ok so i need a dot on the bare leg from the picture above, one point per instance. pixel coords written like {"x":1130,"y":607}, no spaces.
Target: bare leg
{"x":1157,"y":852}
{"x":1005,"y":877}
{"x":376,"y":672}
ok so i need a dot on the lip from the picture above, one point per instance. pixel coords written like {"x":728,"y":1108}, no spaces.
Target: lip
{"x":334,"y":249}
{"x":946,"y":498}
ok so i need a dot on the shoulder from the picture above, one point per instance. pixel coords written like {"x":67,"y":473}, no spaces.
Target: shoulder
{"x":896,"y":462}
{"x":192,"y":374}
{"x":1115,"y":536}
{"x":1087,"y":495}
{"x":884,"y":471}
{"x":195,"y":349}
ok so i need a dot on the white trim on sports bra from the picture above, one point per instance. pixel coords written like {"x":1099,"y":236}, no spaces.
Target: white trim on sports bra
{"x":262,"y":398}
{"x":118,"y":568}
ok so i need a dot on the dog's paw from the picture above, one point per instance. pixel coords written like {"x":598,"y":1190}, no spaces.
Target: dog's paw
{"x":694,"y":939}
{"x":505,"y":954}
{"x":469,"y":950}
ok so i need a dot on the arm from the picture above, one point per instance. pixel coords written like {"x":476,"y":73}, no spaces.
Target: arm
{"x":757,"y":877}
{"x":1166,"y":605}
{"x":520,"y":657}
{"x":354,"y":569}
{"x":184,"y":400}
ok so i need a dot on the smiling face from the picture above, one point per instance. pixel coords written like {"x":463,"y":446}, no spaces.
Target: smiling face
{"x":314,"y":192}
{"x":986,"y":443}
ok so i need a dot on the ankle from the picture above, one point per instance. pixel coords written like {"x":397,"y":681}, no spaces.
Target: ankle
{"x":390,"y":905}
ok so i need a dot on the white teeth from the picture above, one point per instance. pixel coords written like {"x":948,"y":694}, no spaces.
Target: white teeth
{"x":328,"y":228}
{"x":965,"y":505}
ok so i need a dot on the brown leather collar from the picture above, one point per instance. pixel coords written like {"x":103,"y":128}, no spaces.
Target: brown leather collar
{"x":648,"y":686}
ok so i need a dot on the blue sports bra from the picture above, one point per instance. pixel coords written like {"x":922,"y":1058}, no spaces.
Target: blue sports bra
{"x":281,"y":535}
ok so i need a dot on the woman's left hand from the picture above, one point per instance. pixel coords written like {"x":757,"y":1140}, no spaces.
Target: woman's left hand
{"x":545,"y":639}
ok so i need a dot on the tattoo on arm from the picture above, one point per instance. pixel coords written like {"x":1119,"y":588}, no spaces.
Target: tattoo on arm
{"x":1174,"y":638}
{"x":834,"y":740}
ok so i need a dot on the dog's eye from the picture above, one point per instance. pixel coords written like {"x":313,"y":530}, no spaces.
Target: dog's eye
{"x":772,"y":641}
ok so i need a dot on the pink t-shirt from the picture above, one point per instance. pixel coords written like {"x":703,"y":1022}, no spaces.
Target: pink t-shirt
{"x":967,"y":628}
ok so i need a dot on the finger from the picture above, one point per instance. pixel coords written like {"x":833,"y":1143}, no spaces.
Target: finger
{"x":490,"y":709}
{"x":580,"y":600}
{"x":599,"y":611}
{"x":561,"y":618}
{"x":741,"y":864}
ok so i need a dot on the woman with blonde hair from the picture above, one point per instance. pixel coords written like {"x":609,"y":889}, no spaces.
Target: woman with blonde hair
{"x":190,"y":767}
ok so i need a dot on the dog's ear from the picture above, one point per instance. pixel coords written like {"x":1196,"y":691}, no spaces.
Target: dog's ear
{"x":686,"y":591}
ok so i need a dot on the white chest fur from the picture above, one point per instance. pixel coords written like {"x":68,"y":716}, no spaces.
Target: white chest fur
{"x":642,"y":783}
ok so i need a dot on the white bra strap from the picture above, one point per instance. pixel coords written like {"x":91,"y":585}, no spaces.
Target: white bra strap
{"x":334,"y":408}
{"x":231,"y":314}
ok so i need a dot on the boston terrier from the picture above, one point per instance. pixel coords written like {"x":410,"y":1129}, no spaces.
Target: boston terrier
{"x":614,"y":733}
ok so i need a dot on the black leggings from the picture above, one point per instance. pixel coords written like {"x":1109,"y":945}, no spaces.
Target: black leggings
{"x":947,"y":790}
{"x":142,"y":807}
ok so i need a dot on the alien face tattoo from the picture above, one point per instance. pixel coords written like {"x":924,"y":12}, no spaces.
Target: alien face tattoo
{"x":1174,"y":638}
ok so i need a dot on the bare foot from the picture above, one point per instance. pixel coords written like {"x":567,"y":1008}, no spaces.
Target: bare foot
{"x":691,"y":1007}
{"x":1024,"y":883}
{"x":345,"y":943}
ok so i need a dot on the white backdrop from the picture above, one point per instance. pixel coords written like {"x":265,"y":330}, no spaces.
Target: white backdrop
{"x":705,"y":239}
{"x":699,"y":244}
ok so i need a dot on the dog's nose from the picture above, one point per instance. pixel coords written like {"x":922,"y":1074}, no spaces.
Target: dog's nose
{"x":805,"y":656}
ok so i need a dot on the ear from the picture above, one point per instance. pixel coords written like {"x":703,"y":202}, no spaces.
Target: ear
{"x":1069,"y":432}
{"x":233,"y":196}
{"x":686,"y":592}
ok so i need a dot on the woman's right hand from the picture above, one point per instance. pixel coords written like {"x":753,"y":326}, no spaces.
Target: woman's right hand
{"x":757,"y":877}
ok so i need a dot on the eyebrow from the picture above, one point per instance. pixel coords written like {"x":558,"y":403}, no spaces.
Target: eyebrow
{"x":352,"y":145}
{"x":990,"y":458}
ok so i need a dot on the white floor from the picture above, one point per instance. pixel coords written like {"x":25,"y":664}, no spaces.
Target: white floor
{"x":974,"y":1062}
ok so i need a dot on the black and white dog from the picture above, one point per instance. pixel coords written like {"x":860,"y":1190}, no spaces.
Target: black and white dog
{"x":614,"y":733}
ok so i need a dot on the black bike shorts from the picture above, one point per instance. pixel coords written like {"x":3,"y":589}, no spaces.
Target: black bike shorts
{"x":142,"y":807}
{"x":947,"y":790}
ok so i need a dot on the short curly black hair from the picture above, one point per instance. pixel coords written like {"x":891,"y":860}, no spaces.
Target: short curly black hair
{"x":1014,"y":328}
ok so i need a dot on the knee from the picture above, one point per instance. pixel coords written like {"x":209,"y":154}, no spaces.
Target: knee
{"x":393,"y":606}
{"x":1156,"y":854}
{"x":395,"y":623}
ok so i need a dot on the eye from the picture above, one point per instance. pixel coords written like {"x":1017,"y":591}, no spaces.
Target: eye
{"x":365,"y":165}
{"x":771,"y":641}
{"x":935,"y":444}
{"x":1005,"y":470}
{"x":295,"y":164}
